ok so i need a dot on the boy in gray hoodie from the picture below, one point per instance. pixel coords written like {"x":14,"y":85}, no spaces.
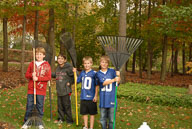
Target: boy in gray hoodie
{"x":64,"y":79}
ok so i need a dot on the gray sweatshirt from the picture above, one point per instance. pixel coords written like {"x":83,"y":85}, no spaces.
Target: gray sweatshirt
{"x":63,"y":75}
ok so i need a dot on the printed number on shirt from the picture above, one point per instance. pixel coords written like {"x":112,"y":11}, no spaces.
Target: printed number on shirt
{"x":107,"y":88}
{"x":86,"y":83}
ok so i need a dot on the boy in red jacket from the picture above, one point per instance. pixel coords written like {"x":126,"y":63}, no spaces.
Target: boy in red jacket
{"x":41,"y":76}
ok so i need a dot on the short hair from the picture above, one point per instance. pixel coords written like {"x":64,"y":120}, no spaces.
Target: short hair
{"x":40,"y":50}
{"x":87,"y":58}
{"x":105,"y":58}
{"x":61,"y":55}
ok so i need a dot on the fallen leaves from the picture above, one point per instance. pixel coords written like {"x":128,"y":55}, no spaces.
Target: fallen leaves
{"x":4,"y":125}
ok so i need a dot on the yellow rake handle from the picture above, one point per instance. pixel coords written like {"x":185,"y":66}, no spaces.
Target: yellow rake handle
{"x":75,"y":78}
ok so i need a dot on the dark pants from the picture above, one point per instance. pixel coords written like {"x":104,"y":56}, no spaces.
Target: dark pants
{"x":64,"y":108}
{"x":30,"y":104}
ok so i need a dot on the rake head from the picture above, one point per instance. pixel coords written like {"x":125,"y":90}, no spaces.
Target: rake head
{"x":67,"y":41}
{"x":34,"y":121}
{"x":119,"y":48}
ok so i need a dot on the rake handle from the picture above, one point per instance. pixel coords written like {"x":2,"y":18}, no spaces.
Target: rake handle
{"x":34,"y":82}
{"x":50,"y":98}
{"x":75,"y":78}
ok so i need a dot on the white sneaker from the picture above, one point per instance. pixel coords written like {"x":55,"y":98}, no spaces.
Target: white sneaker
{"x":60,"y":122}
{"x":41,"y":127}
{"x":85,"y":127}
{"x":24,"y":126}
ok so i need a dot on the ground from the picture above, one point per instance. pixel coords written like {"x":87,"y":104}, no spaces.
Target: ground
{"x":11,"y":79}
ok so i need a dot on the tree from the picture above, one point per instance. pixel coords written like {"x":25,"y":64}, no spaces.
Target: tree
{"x":5,"y":45}
{"x":149,"y":47}
{"x":122,"y":31}
{"x":23,"y":43}
{"x":51,"y":36}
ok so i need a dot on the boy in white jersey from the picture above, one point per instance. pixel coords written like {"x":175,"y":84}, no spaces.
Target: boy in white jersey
{"x":89,"y":91}
{"x":107,"y":79}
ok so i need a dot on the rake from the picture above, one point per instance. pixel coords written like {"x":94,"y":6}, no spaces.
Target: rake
{"x":119,"y":49}
{"x":48,"y":58}
{"x":35,"y":120}
{"x":67,"y":41}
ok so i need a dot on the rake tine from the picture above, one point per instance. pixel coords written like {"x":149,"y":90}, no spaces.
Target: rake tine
{"x":131,"y":43}
{"x":128,"y":43}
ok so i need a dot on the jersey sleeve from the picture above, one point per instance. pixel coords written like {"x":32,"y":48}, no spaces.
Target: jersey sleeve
{"x":79,"y":79}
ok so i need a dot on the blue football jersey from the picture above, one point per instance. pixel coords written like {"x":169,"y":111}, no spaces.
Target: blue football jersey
{"x":88,"y":84}
{"x":107,"y":93}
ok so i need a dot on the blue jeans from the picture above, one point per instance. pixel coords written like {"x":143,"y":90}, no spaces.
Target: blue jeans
{"x":107,"y":113}
{"x":30,"y":104}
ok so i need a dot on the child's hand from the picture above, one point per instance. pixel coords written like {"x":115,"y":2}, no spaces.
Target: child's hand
{"x":117,"y":79}
{"x":74,"y":70}
{"x":118,"y":73}
{"x":34,"y":74}
{"x":35,"y":78}
{"x":95,"y":99}
{"x":68,"y":84}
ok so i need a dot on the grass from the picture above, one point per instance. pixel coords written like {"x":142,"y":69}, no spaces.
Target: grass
{"x":130,"y":114}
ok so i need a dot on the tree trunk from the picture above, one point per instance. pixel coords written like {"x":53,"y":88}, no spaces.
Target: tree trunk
{"x":149,"y":47}
{"x":175,"y":61}
{"x":172,"y":58}
{"x":190,"y":52}
{"x":122,"y":31}
{"x":134,"y":62}
{"x":51,"y":37}
{"x":23,"y":45}
{"x":140,"y":56}
{"x":126,"y":66}
{"x":36,"y":24}
{"x":164,"y":58}
{"x":5,"y":45}
{"x":183,"y":58}
{"x":135,"y":28}
{"x":190,"y":55}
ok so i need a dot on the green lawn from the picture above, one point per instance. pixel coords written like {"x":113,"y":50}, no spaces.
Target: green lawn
{"x":131,"y":111}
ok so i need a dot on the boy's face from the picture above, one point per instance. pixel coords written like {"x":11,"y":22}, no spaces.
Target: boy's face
{"x":39,"y":56}
{"x":87,"y":65}
{"x":61,"y":61}
{"x":104,"y":64}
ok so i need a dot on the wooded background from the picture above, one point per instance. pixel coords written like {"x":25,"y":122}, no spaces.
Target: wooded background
{"x":164,"y":25}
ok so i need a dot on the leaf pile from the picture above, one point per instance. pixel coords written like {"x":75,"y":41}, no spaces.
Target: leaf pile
{"x":10,"y":79}
{"x":4,"y":125}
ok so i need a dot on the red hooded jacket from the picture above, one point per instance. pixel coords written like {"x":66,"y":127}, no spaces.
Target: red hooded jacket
{"x":44,"y":75}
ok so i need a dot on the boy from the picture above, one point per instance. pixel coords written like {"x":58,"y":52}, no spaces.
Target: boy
{"x":107,"y":81}
{"x":89,"y":91}
{"x":41,"y":76}
{"x":64,"y":80}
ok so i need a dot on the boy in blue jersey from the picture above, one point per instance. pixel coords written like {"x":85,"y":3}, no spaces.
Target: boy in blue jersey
{"x":107,"y":79}
{"x":89,"y":92}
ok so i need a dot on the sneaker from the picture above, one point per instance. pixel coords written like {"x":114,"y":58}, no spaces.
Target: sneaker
{"x":58,"y":121}
{"x":85,"y":127}
{"x":24,"y":126}
{"x":41,"y":127}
